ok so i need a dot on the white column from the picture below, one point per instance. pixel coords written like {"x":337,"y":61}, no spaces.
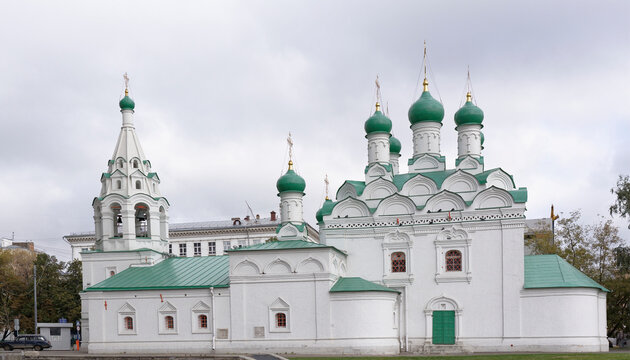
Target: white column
{"x":393,"y":159}
{"x":291,"y":207}
{"x":378,"y":148}
{"x":469,"y":140}
{"x":426,"y":138}
{"x":127,"y":117}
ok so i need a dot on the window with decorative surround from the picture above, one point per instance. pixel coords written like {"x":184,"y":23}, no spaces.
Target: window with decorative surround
{"x":397,"y":266}
{"x":200,"y":315}
{"x":212,"y":248}
{"x":398,"y":262}
{"x":167,"y":315}
{"x":452,"y":251}
{"x":279,"y":316}
{"x":127,"y":320}
{"x":197,"y":249}
{"x":182,"y":249}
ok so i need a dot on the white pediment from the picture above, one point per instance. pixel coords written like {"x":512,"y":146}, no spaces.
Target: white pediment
{"x":396,"y":205}
{"x":493,"y":198}
{"x":167,"y":307}
{"x":500,"y":179}
{"x":350,"y":207}
{"x":452,"y":233}
{"x":460,"y":181}
{"x":279,"y":304}
{"x":201,"y":306}
{"x":419,"y":185}
{"x":445,"y":201}
{"x":379,"y":189}
{"x":346,"y":190}
{"x":127,"y":308}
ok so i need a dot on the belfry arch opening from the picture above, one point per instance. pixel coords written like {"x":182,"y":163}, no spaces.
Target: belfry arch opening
{"x":142,"y":221}
{"x":118,"y":221}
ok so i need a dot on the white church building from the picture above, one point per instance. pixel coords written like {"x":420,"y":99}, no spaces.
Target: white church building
{"x":429,"y":260}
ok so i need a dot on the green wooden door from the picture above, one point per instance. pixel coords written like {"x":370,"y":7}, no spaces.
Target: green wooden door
{"x":444,"y":327}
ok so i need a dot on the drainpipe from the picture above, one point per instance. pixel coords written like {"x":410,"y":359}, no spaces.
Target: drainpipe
{"x":214,"y":332}
{"x":406,"y":327}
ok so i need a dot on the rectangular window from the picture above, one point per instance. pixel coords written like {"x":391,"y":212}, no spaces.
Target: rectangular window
{"x":227,"y":245}
{"x":197,"y":249}
{"x":170,"y":248}
{"x":242,"y":243}
{"x":182,"y":249}
{"x":212,"y":248}
{"x":55,"y":331}
{"x":256,"y":241}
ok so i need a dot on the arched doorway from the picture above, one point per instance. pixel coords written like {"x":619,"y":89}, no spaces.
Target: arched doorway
{"x":443,"y":321}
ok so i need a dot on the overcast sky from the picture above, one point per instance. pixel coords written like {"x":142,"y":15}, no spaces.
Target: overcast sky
{"x":218,"y":85}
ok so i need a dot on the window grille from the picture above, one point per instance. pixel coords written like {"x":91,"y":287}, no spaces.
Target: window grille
{"x":212,"y":248}
{"x":398,"y":262}
{"x":281,"y":320}
{"x":453,"y":260}
{"x":128,"y":323}
{"x":203,"y":322}
{"x":170,"y":324}
{"x":197,"y":249}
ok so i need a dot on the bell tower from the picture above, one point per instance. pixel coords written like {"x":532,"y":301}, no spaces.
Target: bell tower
{"x":130,"y":212}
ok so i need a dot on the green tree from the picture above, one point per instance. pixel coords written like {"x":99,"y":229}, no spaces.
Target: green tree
{"x":573,"y":240}
{"x":621,"y":206}
{"x":605,"y":239}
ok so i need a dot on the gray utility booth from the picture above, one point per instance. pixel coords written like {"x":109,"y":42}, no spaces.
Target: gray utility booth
{"x":58,"y":334}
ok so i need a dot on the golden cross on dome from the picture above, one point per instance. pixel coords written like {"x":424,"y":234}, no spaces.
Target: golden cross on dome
{"x":326,"y":182}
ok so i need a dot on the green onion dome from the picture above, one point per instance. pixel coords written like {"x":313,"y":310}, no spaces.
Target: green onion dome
{"x":291,"y":181}
{"x":469,"y":113}
{"x":325,"y":210}
{"x":127,"y":103}
{"x":394,"y":145}
{"x":378,"y":122}
{"x":426,"y":108}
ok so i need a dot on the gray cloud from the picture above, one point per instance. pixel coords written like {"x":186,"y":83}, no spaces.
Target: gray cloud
{"x":218,"y":86}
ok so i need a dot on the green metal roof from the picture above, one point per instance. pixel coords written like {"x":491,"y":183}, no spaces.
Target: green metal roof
{"x":357,"y":284}
{"x":552,"y":271}
{"x":285,"y":245}
{"x":173,"y":273}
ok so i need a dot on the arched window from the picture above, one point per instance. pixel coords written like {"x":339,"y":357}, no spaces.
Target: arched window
{"x":120,"y":163}
{"x":112,"y":273}
{"x":398,"y":262}
{"x":168,"y":322}
{"x":281,"y":320}
{"x":138,"y":184}
{"x":118,"y":184}
{"x":203,"y":322}
{"x":453,"y":260}
{"x":135,"y":164}
{"x":128,"y":323}
{"x":118,"y":222}
{"x":153,"y":187}
{"x":142,"y":221}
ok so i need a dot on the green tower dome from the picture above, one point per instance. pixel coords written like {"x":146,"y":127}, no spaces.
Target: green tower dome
{"x":126,"y":103}
{"x":291,"y":181}
{"x":394,"y":145}
{"x":469,"y":113}
{"x":325,"y":210}
{"x":378,"y":122}
{"x":426,"y":108}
